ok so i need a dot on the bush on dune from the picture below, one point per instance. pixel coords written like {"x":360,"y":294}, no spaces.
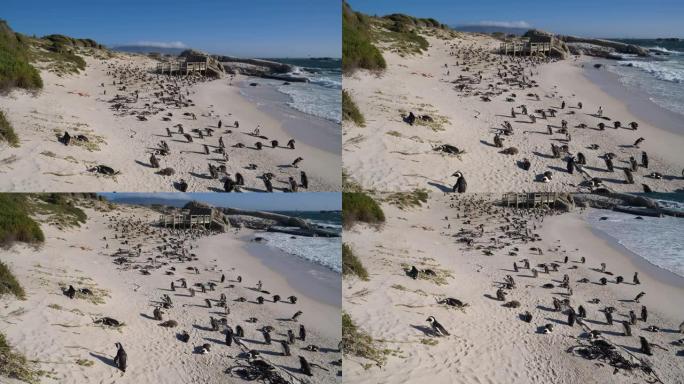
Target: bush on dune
{"x":15,"y":222}
{"x":357,"y":49}
{"x":350,"y":111}
{"x":358,"y":206}
{"x":15,"y":69}
{"x":351,"y":265}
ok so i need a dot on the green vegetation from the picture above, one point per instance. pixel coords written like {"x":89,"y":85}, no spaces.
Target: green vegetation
{"x":350,"y":111}
{"x":59,"y":209}
{"x":351,"y":265}
{"x":15,"y":222}
{"x":7,"y":132}
{"x":14,"y":365}
{"x":58,"y":53}
{"x":9,"y":283}
{"x":358,"y":206}
{"x":356,"y":342}
{"x":405,"y":200}
{"x":15,"y":70}
{"x":357,"y":49}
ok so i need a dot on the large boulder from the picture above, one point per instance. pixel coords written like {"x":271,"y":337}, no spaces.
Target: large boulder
{"x":617,"y":46}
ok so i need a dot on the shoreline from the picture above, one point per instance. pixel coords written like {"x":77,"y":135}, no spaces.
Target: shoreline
{"x":654,"y":271}
{"x":315,"y":131}
{"x":637,"y":101}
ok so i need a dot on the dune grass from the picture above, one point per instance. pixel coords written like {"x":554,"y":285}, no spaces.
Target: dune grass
{"x":15,"y":222}
{"x":356,"y":342}
{"x":9,"y":283}
{"x":59,"y":209}
{"x":351,"y":265}
{"x":14,"y":365}
{"x":15,"y":69}
{"x":405,"y":200}
{"x":7,"y":132}
{"x":357,"y":49}
{"x":350,"y":111}
{"x":358,"y":206}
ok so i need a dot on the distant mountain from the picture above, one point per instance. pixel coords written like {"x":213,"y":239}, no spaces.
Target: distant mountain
{"x":147,"y":201}
{"x":148,"y":49}
{"x":491,"y":29}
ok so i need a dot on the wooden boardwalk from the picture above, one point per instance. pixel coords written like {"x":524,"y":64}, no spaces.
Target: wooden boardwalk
{"x":181,"y":67}
{"x":184,"y":219}
{"x":523,"y":47}
{"x":530,"y":200}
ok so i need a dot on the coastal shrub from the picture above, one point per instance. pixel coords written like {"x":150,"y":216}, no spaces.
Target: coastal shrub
{"x":358,"y":206}
{"x":351,"y":265}
{"x":7,"y":132}
{"x":357,"y":49}
{"x":9,"y":283}
{"x":15,"y":69}
{"x":59,"y":209}
{"x":405,"y":200}
{"x":14,"y":365}
{"x":356,"y":342}
{"x":350,"y":111}
{"x":15,"y":222}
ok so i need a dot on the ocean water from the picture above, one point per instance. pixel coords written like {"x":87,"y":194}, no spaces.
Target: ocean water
{"x":658,"y":240}
{"x":326,"y":251}
{"x":660,"y":76}
{"x":321,"y":96}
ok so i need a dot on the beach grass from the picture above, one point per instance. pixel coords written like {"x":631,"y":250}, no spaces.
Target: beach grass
{"x":14,"y":365}
{"x":15,"y":222}
{"x":7,"y":132}
{"x":351,"y":265}
{"x":15,"y":69}
{"x":9,"y":283}
{"x":358,"y":206}
{"x":59,"y":210}
{"x":356,"y":342}
{"x":350,"y":111}
{"x":357,"y":49}
{"x":405,"y":200}
{"x":349,"y":184}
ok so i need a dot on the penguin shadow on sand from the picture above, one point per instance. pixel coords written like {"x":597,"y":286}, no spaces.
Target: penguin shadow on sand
{"x":427,"y":331}
{"x":105,"y":359}
{"x":202,"y":328}
{"x":147,"y":165}
{"x":487,"y":295}
{"x":443,"y":188}
{"x":215,"y":341}
{"x":147,"y":316}
{"x":546,"y":309}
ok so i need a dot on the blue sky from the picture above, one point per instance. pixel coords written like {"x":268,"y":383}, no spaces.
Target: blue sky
{"x":307,"y":201}
{"x":256,"y":28}
{"x":596,"y":18}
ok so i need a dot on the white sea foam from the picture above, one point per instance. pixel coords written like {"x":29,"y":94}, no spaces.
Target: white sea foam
{"x":657,"y":240}
{"x":326,"y":251}
{"x":661,"y":70}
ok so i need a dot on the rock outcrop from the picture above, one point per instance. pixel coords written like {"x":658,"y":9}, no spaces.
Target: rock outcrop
{"x":259,"y":68}
{"x":593,"y":50}
{"x":617,"y":46}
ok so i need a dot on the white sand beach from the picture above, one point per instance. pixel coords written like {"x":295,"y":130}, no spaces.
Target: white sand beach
{"x":117,"y":139}
{"x":488,"y":342}
{"x":58,"y":333}
{"x":388,"y":154}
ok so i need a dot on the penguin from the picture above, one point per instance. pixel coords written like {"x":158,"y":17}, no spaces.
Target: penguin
{"x":154,"y":162}
{"x":571,"y":318}
{"x":304,"y":180}
{"x":71,"y":292}
{"x":581,"y":312}
{"x":229,"y":336}
{"x":609,"y":164}
{"x":120,"y":358}
{"x":173,"y":286}
{"x":609,"y":318}
{"x":302,"y":332}
{"x":413,"y":273}
{"x":635,"y":279}
{"x":291,"y":144}
{"x":223,"y":278}
{"x":292,"y":299}
{"x":276,"y":298}
{"x":632,"y":318}
{"x":239,"y":179}
{"x":627,"y":328}
{"x":645,"y":346}
{"x":304,"y":366}
{"x":644,"y":313}
{"x":267,"y":336}
{"x":295,"y":163}
{"x":644,"y":159}
{"x":526,"y":317}
{"x":286,"y":348}
{"x":638,"y":141}
{"x":461,"y":185}
{"x":647,"y":189}
{"x":500,"y":294}
{"x":296,"y":315}
{"x":184,"y":336}
{"x":239,"y":332}
{"x":639,"y":296}
{"x":437,"y":328}
{"x":570,"y":165}
{"x":157,"y":313}
{"x":290,"y":337}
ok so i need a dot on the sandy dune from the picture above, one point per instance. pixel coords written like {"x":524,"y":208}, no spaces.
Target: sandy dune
{"x":390,"y":155}
{"x":489,"y":343}
{"x":77,"y":104}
